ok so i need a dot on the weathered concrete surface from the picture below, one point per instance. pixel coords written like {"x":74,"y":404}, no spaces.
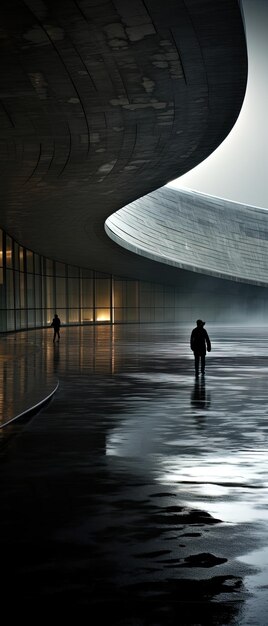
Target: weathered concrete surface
{"x":103,"y":102}
{"x":196,"y":232}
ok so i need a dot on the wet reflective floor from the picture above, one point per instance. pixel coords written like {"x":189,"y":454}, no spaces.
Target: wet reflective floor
{"x":26,"y":376}
{"x":139,"y":492}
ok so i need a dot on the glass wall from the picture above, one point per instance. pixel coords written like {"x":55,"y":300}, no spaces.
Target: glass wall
{"x":33,"y":288}
{"x":126,"y":300}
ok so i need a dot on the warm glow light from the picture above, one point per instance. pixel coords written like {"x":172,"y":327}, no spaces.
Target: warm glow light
{"x":103,"y":317}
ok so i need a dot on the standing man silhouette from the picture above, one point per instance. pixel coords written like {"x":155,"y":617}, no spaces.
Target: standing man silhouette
{"x":200,"y":343}
{"x":56,"y":325}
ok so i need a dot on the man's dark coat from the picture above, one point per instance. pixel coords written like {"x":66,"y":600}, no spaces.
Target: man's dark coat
{"x":200,"y":340}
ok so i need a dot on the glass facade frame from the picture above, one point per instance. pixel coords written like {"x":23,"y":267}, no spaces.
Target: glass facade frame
{"x":33,"y":288}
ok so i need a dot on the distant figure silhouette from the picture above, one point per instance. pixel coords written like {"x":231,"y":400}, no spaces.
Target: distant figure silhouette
{"x":56,"y":325}
{"x":199,"y":343}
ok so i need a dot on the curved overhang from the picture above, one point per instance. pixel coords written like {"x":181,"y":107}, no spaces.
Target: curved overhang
{"x":102,"y":103}
{"x":196,"y":232}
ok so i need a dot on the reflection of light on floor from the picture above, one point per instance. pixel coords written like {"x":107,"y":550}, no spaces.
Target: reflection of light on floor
{"x":233,"y":512}
{"x":113,"y":446}
{"x":256,"y":608}
{"x":218,"y":470}
{"x":245,"y":467}
{"x":256,"y":557}
{"x":136,"y":444}
{"x":233,"y":489}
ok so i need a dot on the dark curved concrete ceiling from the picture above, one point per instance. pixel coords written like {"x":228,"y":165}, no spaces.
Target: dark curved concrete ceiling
{"x":102,"y":102}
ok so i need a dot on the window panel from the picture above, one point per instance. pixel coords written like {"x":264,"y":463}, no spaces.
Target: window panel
{"x":61,"y":292}
{"x":86,"y":286}
{"x":87,"y":315}
{"x":31,"y":318}
{"x":23,"y":319}
{"x":60,"y":269}
{"x":49,"y":292}
{"x":49,"y":314}
{"x":132,"y":293}
{"x":73,"y":292}
{"x":49,"y":267}
{"x":119,"y":314}
{"x":159,"y":299}
{"x":16,"y":256}
{"x":10,"y":320}
{"x":30,"y":290}
{"x":17,"y":289}
{"x":9,"y":258}
{"x":38,"y":302}
{"x":9,"y":289}
{"x":37,"y":264}
{"x":102,"y":292}
{"x":169,"y":315}
{"x":18,"y":320}
{"x":128,"y":314}
{"x":38,"y":317}
{"x":169,"y":297}
{"x":159,"y":313}
{"x":132,"y":314}
{"x":29,"y":261}
{"x":62,"y":313}
{"x":3,"y":320}
{"x":1,"y":248}
{"x":21,"y":259}
{"x":2,"y":293}
{"x":73,"y":316}
{"x":146,"y":314}
{"x":102,"y":315}
{"x":22,"y":291}
{"x":119,"y":293}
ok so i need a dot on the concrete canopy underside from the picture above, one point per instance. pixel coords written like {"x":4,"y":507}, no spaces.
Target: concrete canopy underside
{"x":101,"y":104}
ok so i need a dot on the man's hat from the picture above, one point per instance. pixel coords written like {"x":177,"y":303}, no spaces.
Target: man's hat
{"x":200,"y":323}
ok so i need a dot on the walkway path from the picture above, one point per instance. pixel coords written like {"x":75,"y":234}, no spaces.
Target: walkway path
{"x":138,"y":491}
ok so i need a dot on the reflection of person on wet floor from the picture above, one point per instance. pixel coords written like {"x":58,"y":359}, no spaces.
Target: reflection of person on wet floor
{"x":200,"y":398}
{"x":200,"y":343}
{"x":56,"y":325}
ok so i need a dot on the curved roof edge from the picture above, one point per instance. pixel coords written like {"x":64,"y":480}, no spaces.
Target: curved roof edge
{"x":196,"y":232}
